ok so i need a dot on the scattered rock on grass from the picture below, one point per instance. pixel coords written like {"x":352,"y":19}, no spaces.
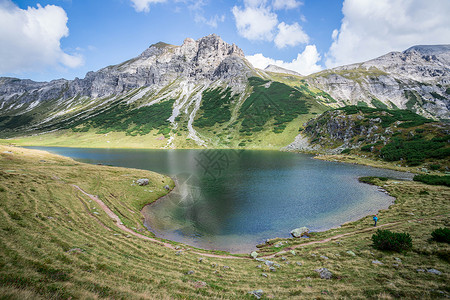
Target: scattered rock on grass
{"x":420,"y":270}
{"x":434,"y":271}
{"x":254,"y":254}
{"x":377,"y":262}
{"x":199,"y":284}
{"x":350,"y":252}
{"x":280,"y":244}
{"x":190,"y":272}
{"x":324,"y":273}
{"x":299,"y":263}
{"x":257,"y":293}
{"x":142,"y":181}
{"x":167,"y":187}
{"x":269,"y":263}
{"x":292,"y":252}
{"x":75,"y":251}
{"x":272,"y":269}
{"x":324,"y":257}
{"x":265,"y":275}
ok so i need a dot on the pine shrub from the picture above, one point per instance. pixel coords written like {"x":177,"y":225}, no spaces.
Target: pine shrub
{"x":441,"y":235}
{"x":391,"y":241}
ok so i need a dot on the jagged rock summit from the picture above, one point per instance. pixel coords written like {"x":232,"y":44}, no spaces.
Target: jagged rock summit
{"x":277,"y":69}
{"x":207,"y":58}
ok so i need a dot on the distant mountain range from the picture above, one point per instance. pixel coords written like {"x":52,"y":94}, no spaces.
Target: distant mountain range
{"x":205,"y":93}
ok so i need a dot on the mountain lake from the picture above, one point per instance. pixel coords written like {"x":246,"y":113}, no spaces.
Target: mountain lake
{"x":233,"y":200}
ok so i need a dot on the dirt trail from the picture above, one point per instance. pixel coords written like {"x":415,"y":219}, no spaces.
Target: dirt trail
{"x":119,"y":224}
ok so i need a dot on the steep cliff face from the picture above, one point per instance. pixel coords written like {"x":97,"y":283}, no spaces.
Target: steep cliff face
{"x":417,"y":79}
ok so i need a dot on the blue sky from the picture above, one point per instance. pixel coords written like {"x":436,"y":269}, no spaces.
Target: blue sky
{"x":50,"y":39}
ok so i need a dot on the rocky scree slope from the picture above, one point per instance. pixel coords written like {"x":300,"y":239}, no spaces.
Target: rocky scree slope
{"x":417,"y":79}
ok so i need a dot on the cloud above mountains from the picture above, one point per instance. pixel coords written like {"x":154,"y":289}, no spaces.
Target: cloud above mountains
{"x":30,"y":38}
{"x":305,"y":63}
{"x":372,"y":28}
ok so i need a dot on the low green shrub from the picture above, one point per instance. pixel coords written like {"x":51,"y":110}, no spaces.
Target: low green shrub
{"x":346,"y":151}
{"x":433,"y":179}
{"x":391,"y":241}
{"x":441,"y":235}
{"x":371,"y":179}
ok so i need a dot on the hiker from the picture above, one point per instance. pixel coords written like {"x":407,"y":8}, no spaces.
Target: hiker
{"x":375,"y":219}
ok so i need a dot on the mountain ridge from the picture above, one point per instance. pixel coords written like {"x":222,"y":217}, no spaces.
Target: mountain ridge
{"x":216,"y":98}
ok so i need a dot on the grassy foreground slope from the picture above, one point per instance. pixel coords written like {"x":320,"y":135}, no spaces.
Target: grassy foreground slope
{"x":56,"y":243}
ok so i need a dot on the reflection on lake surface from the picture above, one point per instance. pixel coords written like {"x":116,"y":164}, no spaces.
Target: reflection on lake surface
{"x":232,"y":200}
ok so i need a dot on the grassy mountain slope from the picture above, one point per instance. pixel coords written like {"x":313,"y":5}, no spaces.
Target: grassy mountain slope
{"x":265,"y":116}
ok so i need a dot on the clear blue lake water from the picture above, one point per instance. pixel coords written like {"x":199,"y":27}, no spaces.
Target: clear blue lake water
{"x":233,"y":200}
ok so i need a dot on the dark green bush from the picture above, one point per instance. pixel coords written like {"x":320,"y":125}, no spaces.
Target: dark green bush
{"x":215,"y":107}
{"x":346,"y":151}
{"x":391,"y":241}
{"x":435,"y":167}
{"x":278,"y":102}
{"x":441,"y":235}
{"x":433,"y":179}
{"x":415,"y":150}
{"x":367,"y":148}
{"x":122,"y":117}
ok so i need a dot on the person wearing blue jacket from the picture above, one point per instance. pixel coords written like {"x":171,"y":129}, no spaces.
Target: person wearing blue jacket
{"x":375,"y":219}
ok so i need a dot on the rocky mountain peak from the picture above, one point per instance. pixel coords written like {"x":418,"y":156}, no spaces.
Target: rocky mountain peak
{"x":277,"y":69}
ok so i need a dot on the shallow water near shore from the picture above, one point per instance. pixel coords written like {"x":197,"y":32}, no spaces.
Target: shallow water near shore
{"x":233,"y":200}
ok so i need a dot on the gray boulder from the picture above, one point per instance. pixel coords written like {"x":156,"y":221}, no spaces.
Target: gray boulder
{"x":142,"y":181}
{"x":434,"y":271}
{"x":167,"y":187}
{"x":254,"y":254}
{"x":257,"y":293}
{"x":324,"y":273}
{"x":299,"y":232}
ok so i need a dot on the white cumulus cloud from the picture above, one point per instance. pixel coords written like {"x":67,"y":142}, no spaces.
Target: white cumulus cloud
{"x":306,"y":62}
{"x":372,"y":28}
{"x":290,"y":35}
{"x":255,"y":22}
{"x":144,"y":5}
{"x":286,"y":4}
{"x":30,"y":39}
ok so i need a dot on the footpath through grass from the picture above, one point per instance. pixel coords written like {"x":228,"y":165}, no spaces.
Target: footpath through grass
{"x":55,"y":243}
